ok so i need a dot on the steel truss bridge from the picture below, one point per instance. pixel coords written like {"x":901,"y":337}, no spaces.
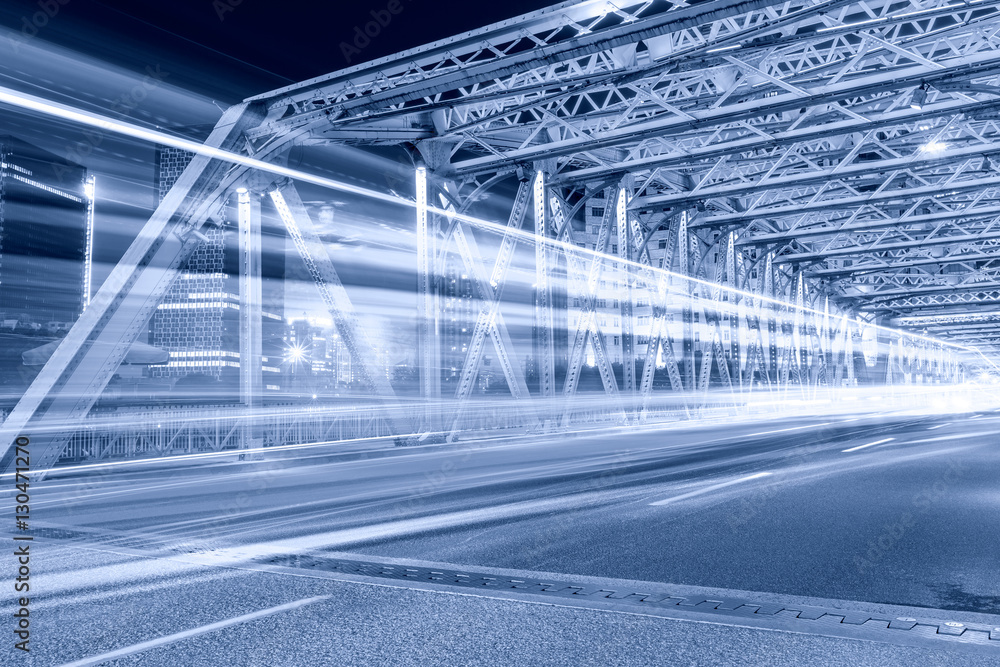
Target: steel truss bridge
{"x":801,"y":195}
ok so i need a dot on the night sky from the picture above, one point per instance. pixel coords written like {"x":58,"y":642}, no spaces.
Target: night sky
{"x":206,"y":55}
{"x":231,"y":49}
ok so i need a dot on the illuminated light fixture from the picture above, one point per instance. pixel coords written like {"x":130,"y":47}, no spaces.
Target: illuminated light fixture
{"x":90,"y":190}
{"x":934,"y":147}
{"x":296,"y":353}
{"x":853,"y":25}
{"x":919,"y":97}
{"x":241,"y":191}
{"x":724,"y":48}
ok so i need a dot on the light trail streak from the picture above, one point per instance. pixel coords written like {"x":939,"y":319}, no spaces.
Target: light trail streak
{"x":54,"y":109}
{"x":707,"y":489}
{"x":870,"y":444}
{"x":205,"y":455}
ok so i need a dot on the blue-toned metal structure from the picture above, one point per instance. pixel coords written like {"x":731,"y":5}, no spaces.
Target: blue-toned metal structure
{"x":781,"y":195}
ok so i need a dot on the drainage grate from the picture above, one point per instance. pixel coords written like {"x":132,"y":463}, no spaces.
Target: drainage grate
{"x":818,"y":617}
{"x":807,"y":618}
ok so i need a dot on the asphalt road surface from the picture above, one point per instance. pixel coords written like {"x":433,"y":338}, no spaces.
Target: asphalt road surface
{"x":901,"y":510}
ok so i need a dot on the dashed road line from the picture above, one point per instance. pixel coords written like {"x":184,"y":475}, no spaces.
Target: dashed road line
{"x":783,"y":430}
{"x":870,"y":444}
{"x":194,"y":632}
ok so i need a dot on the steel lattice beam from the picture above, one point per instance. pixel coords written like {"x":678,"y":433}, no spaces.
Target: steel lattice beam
{"x":78,"y":371}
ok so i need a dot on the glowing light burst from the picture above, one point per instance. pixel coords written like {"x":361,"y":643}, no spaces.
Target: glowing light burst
{"x":295,"y":354}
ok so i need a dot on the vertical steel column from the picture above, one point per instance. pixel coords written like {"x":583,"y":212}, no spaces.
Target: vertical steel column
{"x":251,"y":337}
{"x":735,"y":309}
{"x":489,"y":288}
{"x":659,"y":333}
{"x":712,"y":346}
{"x":849,"y":350}
{"x":543,"y":294}
{"x":687,"y":307}
{"x":826,"y":339}
{"x":667,"y":341}
{"x":908,"y":360}
{"x":838,"y":350}
{"x":891,"y":356}
{"x":755,"y":343}
{"x":625,"y":302}
{"x":427,"y":311}
{"x":800,"y":357}
{"x":772,"y":321}
{"x":587,"y":326}
{"x":90,"y":189}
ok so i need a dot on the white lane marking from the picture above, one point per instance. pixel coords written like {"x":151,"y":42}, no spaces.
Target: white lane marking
{"x":782,"y":430}
{"x":870,"y":444}
{"x":949,"y":438}
{"x":711,"y":488}
{"x":170,"y":639}
{"x":939,"y":426}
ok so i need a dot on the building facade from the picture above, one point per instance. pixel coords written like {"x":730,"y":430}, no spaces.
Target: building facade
{"x":198,"y":321}
{"x":46,"y":227}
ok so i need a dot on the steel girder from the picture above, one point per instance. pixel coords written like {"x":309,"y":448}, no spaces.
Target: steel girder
{"x":428,"y":326}
{"x":314,"y":254}
{"x":787,"y":119}
{"x":76,"y":374}
{"x":948,"y":319}
{"x":251,"y":306}
{"x":584,"y":281}
{"x":779,"y":121}
{"x":490,"y":321}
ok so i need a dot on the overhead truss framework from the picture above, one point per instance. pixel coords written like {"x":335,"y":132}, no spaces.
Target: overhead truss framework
{"x":856,"y":141}
{"x":839,"y":155}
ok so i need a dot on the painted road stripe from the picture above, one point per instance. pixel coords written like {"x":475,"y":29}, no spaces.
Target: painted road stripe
{"x":783,"y":430}
{"x":950,"y":438}
{"x":711,"y":488}
{"x":870,"y":444}
{"x":170,"y":639}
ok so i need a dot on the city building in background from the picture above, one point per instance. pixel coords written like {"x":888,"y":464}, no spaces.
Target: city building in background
{"x":198,"y":320}
{"x":459,"y":309}
{"x":46,"y":227}
{"x":315,"y":362}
